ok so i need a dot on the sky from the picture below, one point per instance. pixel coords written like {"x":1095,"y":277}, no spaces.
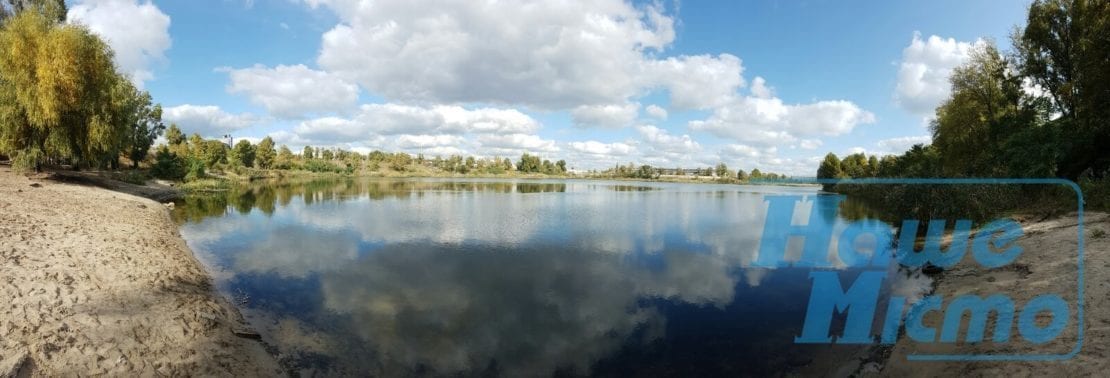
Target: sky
{"x":773,"y":85}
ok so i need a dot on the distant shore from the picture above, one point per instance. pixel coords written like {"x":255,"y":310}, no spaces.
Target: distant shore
{"x":98,"y":282}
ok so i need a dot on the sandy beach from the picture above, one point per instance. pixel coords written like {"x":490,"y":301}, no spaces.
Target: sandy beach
{"x":98,"y":282}
{"x":1047,"y":265}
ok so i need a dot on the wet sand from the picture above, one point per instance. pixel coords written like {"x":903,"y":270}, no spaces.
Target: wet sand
{"x":98,"y":282}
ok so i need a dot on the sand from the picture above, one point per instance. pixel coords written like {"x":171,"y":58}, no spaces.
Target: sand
{"x":98,"y":282}
{"x":1047,"y":265}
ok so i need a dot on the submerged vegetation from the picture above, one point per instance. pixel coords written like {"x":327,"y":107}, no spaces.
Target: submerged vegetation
{"x":1042,"y":110}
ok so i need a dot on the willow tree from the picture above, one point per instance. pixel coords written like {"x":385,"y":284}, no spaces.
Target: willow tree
{"x":59,"y":95}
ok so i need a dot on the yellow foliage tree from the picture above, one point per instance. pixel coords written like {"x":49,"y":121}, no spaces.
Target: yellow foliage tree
{"x":60,"y":93}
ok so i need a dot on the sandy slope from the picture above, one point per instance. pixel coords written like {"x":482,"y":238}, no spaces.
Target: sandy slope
{"x":1048,"y":265}
{"x":99,"y":282}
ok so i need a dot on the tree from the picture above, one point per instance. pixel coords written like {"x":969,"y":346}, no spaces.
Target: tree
{"x":307,"y":154}
{"x":243,"y":153}
{"x":327,"y":155}
{"x":829,"y":169}
{"x":174,"y":136}
{"x":284,"y":157}
{"x":983,"y":109}
{"x":144,"y":120}
{"x":562,"y":165}
{"x":59,"y":96}
{"x":264,"y":154}
{"x":756,"y":174}
{"x":529,"y":163}
{"x":1064,"y":49}
{"x":740,"y":175}
{"x":54,"y":10}
{"x":722,"y":170}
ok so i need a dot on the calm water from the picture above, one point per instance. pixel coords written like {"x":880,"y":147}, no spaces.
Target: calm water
{"x":512,"y":278}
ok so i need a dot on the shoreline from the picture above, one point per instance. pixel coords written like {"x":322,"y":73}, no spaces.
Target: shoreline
{"x":100,"y":282}
{"x":1048,"y":265}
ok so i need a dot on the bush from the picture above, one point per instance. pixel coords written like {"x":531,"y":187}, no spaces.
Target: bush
{"x":195,"y":170}
{"x":27,"y":160}
{"x":169,"y":166}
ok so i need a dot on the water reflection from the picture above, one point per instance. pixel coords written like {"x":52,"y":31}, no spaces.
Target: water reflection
{"x":485,"y":277}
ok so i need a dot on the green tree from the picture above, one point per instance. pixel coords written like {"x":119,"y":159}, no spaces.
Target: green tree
{"x":756,"y":174}
{"x":722,"y":170}
{"x":829,"y":169}
{"x":740,"y":175}
{"x":265,"y":153}
{"x":982,"y":110}
{"x":284,"y":157}
{"x":144,"y":120}
{"x":174,"y":136}
{"x":243,"y":153}
{"x":1064,"y":48}
{"x":529,"y":163}
{"x":562,"y":165}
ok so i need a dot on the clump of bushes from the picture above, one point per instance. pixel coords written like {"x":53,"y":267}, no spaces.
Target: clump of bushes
{"x":27,"y":160}
{"x":171,"y":166}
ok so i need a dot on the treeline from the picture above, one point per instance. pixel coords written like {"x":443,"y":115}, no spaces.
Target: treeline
{"x":190,"y":158}
{"x":721,"y":173}
{"x":62,"y":99}
{"x":1041,"y":110}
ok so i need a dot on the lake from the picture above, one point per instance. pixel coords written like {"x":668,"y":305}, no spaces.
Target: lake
{"x":487,"y":277}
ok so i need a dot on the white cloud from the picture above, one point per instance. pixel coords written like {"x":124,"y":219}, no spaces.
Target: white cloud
{"x":899,"y":145}
{"x":598,"y":148}
{"x":770,"y":121}
{"x":548,"y":54}
{"x":924,"y":70}
{"x":517,"y":143}
{"x":760,"y":88}
{"x":138,"y":32}
{"x":661,"y":141}
{"x":698,"y":82}
{"x":208,"y":121}
{"x":810,"y":144}
{"x":657,"y":112}
{"x":611,"y":116}
{"x":409,"y":142}
{"x":374,"y":120}
{"x":292,"y":91}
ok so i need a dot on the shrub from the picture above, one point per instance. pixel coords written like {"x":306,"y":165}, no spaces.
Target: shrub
{"x":27,"y":160}
{"x":195,"y":170}
{"x":169,"y":166}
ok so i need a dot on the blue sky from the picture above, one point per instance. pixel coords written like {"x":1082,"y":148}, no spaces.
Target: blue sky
{"x":756,"y":84}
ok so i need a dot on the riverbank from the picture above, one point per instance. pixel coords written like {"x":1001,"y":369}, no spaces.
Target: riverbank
{"x":1047,"y":265}
{"x":98,"y":282}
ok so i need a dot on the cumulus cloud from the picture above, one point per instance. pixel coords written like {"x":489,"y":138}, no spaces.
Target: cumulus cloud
{"x":548,"y":54}
{"x":208,"y":121}
{"x":374,"y":120}
{"x":598,"y":148}
{"x":137,"y":31}
{"x":698,"y":82}
{"x":924,"y":70}
{"x":770,"y":121}
{"x":656,"y":111}
{"x":665,"y":144}
{"x":291,"y":91}
{"x":611,"y":116}
{"x":901,"y":144}
{"x":760,"y":88}
{"x":517,"y":143}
